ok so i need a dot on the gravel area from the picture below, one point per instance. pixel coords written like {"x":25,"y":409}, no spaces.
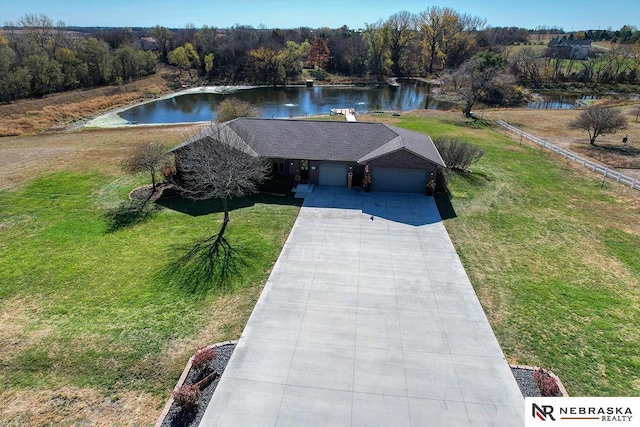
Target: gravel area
{"x":524,"y":378}
{"x":176,"y":416}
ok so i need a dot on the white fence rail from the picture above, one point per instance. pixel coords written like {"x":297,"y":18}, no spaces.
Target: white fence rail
{"x":593,"y":166}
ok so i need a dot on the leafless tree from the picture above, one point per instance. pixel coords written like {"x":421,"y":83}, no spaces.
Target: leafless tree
{"x":146,"y":157}
{"x":526,"y":68}
{"x":218,"y":164}
{"x":598,"y":120}
{"x":635,"y":112}
{"x":474,"y":80}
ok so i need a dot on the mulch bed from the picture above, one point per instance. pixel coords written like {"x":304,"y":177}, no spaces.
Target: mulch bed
{"x":174,"y":416}
{"x":146,"y":193}
{"x":528,"y":387}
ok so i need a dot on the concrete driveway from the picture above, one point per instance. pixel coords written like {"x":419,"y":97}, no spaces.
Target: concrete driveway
{"x":368,"y":319}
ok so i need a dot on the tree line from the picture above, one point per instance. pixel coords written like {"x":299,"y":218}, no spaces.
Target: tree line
{"x":38,"y":56}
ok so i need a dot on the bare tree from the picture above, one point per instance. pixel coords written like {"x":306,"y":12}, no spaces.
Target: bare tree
{"x":146,"y":157}
{"x":526,"y":68}
{"x":474,"y":80}
{"x":635,"y":112}
{"x":598,"y":120}
{"x":217,"y":163}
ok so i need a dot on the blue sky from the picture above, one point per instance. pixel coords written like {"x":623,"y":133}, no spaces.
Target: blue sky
{"x":568,"y":14}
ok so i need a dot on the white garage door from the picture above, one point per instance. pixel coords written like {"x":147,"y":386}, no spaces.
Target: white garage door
{"x":399,"y":180}
{"x":333,"y":173}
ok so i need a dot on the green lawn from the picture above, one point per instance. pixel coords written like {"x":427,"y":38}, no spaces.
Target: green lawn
{"x":89,"y":314}
{"x":554,"y":258}
{"x":81,"y":306}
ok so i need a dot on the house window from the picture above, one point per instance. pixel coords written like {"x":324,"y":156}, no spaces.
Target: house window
{"x":278,"y":166}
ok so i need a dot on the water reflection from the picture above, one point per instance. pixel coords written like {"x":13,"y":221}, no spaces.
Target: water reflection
{"x":289,"y":102}
{"x":565,"y":101}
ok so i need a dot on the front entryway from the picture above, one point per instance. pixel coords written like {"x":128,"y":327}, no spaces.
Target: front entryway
{"x":304,"y":171}
{"x":358,"y":176}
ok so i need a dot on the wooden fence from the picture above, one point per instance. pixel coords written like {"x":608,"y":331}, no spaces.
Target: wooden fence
{"x":591,"y":165}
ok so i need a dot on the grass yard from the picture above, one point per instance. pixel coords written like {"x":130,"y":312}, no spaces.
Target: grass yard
{"x":96,"y":325}
{"x":554,"y":259}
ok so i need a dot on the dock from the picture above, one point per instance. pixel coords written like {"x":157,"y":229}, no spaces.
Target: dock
{"x":349,"y":113}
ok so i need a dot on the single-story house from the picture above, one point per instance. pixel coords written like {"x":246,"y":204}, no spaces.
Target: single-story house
{"x":562,"y":47}
{"x":333,"y":153}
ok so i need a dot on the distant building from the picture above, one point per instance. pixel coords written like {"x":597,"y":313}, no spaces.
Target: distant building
{"x":149,"y":43}
{"x":564,"y":48}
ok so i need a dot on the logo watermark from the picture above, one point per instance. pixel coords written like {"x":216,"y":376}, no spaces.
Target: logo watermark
{"x":582,"y":411}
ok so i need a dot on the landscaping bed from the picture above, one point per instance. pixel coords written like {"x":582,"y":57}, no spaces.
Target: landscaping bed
{"x":175,"y":415}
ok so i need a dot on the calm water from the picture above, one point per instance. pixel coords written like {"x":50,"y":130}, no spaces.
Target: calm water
{"x":560,"y":100}
{"x":302,"y":101}
{"x":288,"y":102}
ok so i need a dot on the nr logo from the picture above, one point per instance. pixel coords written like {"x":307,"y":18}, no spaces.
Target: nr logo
{"x":542,"y":412}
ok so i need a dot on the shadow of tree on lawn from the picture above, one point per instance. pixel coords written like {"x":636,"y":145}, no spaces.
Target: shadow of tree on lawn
{"x":211,"y":263}
{"x":129,"y":213}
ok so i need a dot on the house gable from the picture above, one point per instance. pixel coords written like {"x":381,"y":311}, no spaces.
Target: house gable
{"x":402,"y":158}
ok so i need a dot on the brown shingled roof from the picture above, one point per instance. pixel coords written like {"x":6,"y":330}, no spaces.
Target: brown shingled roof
{"x":326,"y":140}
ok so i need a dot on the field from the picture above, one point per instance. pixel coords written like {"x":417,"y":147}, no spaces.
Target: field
{"x":98,"y":323}
{"x":59,"y":110}
{"x":552,"y":126}
{"x":554,"y":258}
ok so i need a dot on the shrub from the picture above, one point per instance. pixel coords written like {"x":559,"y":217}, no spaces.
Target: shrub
{"x":457,"y":155}
{"x":186,"y":396}
{"x":319,"y":74}
{"x":547,"y":385}
{"x":232,"y":108}
{"x":203,"y":356}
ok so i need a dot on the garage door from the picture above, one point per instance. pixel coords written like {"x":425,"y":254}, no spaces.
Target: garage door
{"x":333,"y":173}
{"x":399,"y":180}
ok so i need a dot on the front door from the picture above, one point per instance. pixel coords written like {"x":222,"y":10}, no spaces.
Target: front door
{"x":358,"y":175}
{"x":304,"y":171}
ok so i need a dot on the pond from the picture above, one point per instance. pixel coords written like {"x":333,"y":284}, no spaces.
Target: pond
{"x":283,"y":102}
{"x":568,"y":100}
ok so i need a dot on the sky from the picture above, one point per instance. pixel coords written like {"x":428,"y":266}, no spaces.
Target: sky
{"x":571,"y":15}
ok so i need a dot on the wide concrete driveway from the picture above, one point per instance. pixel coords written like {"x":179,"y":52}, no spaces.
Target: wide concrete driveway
{"x":368,"y":319}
